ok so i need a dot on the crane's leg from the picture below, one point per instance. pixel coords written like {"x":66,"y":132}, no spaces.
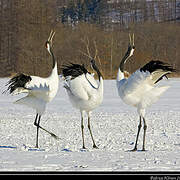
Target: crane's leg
{"x":82,"y":130}
{"x":139,"y":128}
{"x":144,"y":136}
{"x":89,"y":127}
{"x":37,"y":124}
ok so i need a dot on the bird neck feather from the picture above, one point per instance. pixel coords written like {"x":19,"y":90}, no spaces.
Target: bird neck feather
{"x":53,"y":58}
{"x":123,"y":61}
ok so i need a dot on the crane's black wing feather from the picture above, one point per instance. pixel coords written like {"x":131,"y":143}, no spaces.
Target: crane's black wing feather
{"x":18,"y":81}
{"x":73,"y":70}
{"x":155,"y":65}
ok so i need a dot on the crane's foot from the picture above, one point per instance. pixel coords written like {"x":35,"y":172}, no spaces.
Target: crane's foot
{"x":94,"y":146}
{"x":133,"y":150}
{"x":83,"y":147}
{"x":54,"y":136}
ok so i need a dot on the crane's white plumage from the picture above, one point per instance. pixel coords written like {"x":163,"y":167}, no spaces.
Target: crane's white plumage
{"x":140,"y":89}
{"x":39,"y":90}
{"x":84,"y":92}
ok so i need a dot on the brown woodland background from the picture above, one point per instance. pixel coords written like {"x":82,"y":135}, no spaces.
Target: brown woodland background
{"x":25,"y":26}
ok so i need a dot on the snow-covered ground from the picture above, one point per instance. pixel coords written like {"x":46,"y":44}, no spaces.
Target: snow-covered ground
{"x":114,"y":127}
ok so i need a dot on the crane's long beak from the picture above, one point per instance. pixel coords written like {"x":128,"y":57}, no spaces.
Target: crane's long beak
{"x":131,"y":48}
{"x":52,"y":33}
{"x":131,"y":39}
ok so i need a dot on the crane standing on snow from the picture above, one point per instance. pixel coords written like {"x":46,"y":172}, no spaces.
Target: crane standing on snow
{"x":83,"y":91}
{"x":39,"y":90}
{"x":140,"y":89}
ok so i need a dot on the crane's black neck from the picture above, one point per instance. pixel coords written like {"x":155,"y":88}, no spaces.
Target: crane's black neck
{"x":97,"y":70}
{"x":53,"y":58}
{"x":99,"y":74}
{"x":126,"y":56}
{"x":121,"y":65}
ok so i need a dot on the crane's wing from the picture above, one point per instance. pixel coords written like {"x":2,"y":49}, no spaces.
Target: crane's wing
{"x":146,"y":77}
{"x":81,"y":87}
{"x":38,"y":87}
{"x":22,"y":83}
{"x":141,"y":85}
{"x":79,"y":83}
{"x":138,"y":81}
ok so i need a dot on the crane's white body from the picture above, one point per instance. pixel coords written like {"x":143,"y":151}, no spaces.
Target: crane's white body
{"x":84,"y":92}
{"x":139,"y":89}
{"x":40,"y":91}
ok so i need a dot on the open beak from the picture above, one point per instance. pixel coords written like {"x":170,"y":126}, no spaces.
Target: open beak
{"x":131,"y":40}
{"x":131,"y":48}
{"x":52,"y":33}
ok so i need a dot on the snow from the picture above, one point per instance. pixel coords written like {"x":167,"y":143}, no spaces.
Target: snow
{"x":114,"y":127}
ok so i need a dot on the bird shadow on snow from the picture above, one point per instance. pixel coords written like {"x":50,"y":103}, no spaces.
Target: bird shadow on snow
{"x":136,"y":151}
{"x":7,"y":147}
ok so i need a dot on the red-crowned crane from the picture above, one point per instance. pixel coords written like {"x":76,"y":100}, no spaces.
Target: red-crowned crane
{"x":39,"y":90}
{"x":140,"y":89}
{"x":84,"y":92}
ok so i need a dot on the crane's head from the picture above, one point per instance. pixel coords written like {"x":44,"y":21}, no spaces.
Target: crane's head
{"x":94,"y":67}
{"x":48,"y":43}
{"x":93,"y":64}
